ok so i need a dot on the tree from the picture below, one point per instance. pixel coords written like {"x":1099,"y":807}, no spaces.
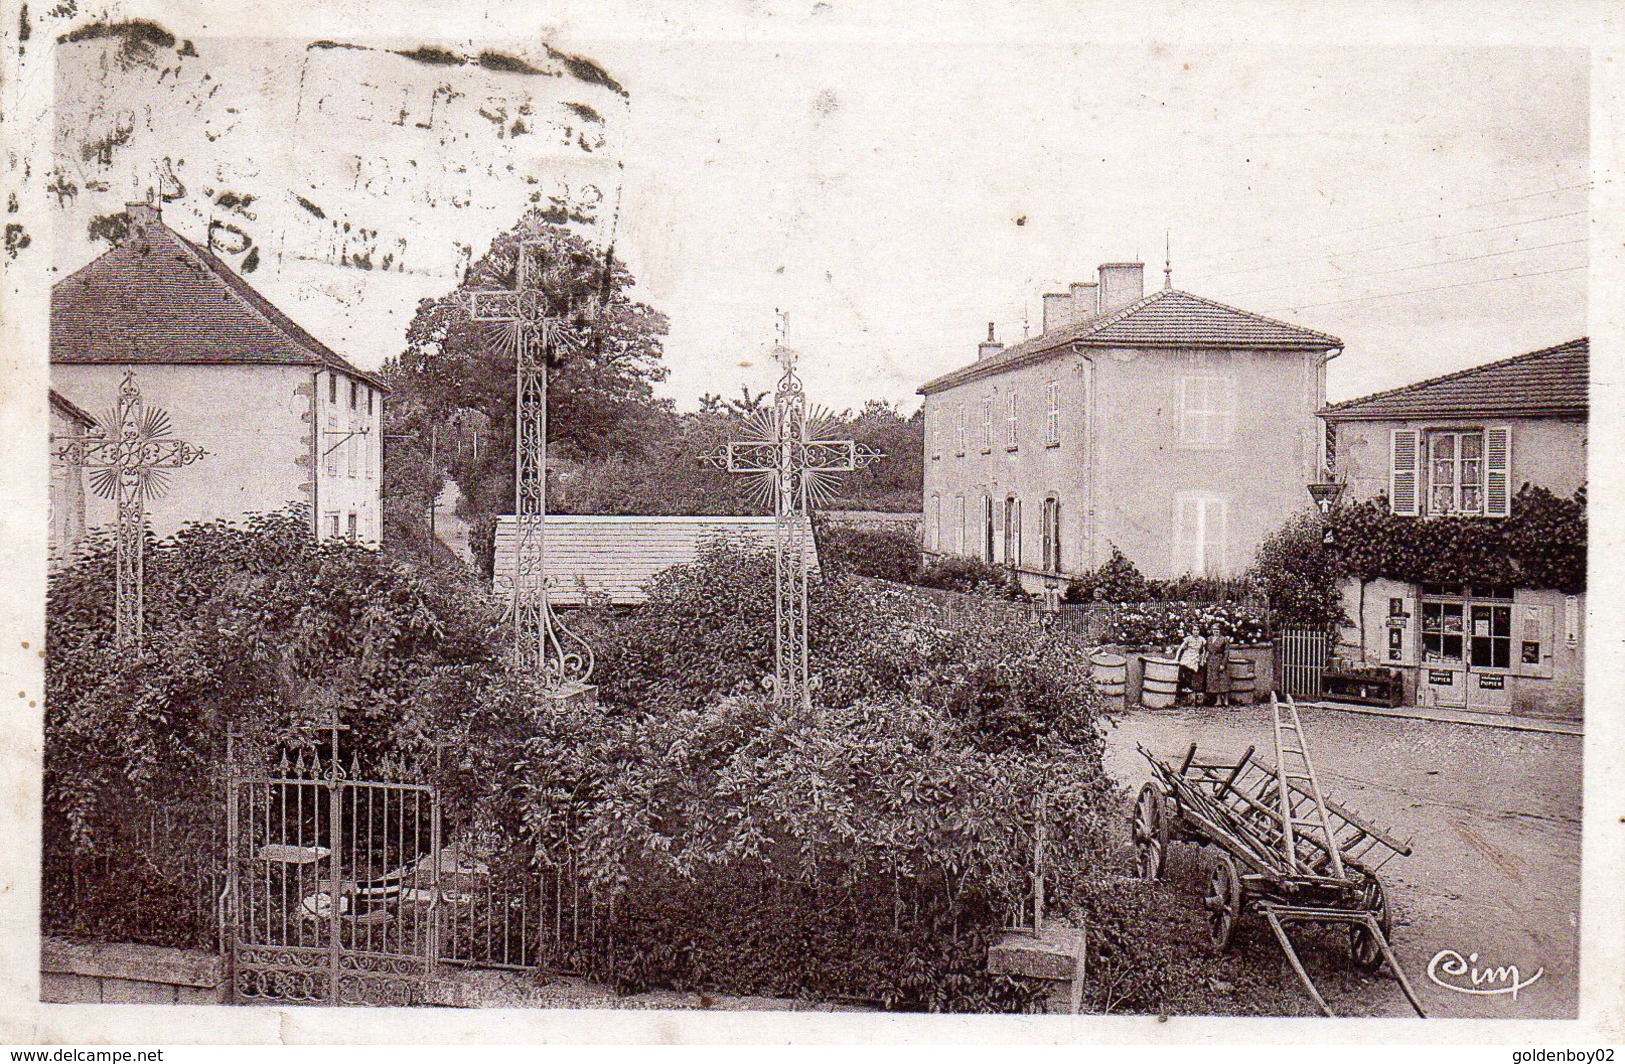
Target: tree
{"x":600,"y":387}
{"x":1301,"y":575}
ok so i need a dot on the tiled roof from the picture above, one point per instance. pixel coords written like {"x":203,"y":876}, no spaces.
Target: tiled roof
{"x":158,"y":298}
{"x":1550,"y":382}
{"x":1167,"y":318}
{"x":615,"y":556}
{"x":71,"y":410}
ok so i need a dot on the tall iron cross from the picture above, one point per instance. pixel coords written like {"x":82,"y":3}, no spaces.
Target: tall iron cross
{"x":129,"y":458}
{"x":795,"y":468}
{"x":541,"y":642}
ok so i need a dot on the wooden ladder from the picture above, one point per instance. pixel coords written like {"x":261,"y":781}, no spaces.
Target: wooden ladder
{"x":1295,"y":772}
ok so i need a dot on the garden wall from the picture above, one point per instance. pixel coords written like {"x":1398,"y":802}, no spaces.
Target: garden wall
{"x":82,"y":973}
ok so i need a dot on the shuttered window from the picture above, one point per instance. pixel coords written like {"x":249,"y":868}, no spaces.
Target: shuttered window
{"x":1010,"y":440}
{"x":1207,"y":411}
{"x":1497,"y":472}
{"x":987,"y":425}
{"x":1402,"y":472}
{"x":1052,"y":534}
{"x":959,"y":524}
{"x":936,"y":522}
{"x":1200,"y":530}
{"x":1012,"y":532}
{"x":988,"y":526}
{"x":959,"y":429}
{"x":1052,"y":413}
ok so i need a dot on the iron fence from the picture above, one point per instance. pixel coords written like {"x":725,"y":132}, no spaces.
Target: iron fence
{"x":1302,"y":654}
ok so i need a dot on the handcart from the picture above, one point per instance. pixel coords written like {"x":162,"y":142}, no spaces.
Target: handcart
{"x":1284,"y":850}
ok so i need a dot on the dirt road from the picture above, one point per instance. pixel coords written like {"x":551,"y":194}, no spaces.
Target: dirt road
{"x":1494,"y":817}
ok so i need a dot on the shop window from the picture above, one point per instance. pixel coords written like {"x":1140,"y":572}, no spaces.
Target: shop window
{"x":1442,"y":633}
{"x":1491,"y":641}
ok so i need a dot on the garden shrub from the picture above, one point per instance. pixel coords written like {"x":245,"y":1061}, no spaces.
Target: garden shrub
{"x":1118,"y":579}
{"x":260,"y":629}
{"x":878,"y":553}
{"x":1300,"y":575}
{"x":865,"y":852}
{"x":1166,"y":623}
{"x":971,"y":576}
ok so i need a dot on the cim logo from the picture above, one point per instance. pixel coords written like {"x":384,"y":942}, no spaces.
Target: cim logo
{"x":1452,"y":971}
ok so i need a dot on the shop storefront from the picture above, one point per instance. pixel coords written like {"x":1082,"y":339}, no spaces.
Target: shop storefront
{"x":1485,"y":648}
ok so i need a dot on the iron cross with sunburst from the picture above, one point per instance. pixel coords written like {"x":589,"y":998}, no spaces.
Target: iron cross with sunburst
{"x":130,"y":457}
{"x":791,"y":464}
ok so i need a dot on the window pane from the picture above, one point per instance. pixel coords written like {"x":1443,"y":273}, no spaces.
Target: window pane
{"x":1444,"y":446}
{"x":1472,"y":445}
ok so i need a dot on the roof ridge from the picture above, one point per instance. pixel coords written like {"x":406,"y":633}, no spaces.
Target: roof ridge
{"x":1253,"y":314}
{"x":1454,"y":375}
{"x":249,"y":298}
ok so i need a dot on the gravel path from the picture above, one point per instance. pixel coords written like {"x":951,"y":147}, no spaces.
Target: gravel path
{"x":1494,"y":817}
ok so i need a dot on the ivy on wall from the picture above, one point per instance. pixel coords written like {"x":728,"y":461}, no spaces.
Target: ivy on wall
{"x":1540,"y":545}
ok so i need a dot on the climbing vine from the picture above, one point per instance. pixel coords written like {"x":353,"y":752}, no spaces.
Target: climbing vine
{"x":1541,"y":544}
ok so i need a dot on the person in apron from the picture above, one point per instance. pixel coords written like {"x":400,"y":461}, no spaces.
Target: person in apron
{"x":1217,"y":667}
{"x":1190,"y":658}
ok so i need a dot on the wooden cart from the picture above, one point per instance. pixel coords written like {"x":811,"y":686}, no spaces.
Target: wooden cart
{"x":1283,"y":850}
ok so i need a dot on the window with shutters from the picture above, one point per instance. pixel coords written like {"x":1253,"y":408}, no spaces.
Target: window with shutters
{"x":1052,"y":414}
{"x":1451,"y":472}
{"x":936,"y":522}
{"x":959,"y":430}
{"x":1010,"y":437}
{"x":1207,"y":411}
{"x":988,"y":526}
{"x":933,"y":429}
{"x":1052,"y":534}
{"x":987,"y":425}
{"x":1012,"y":532}
{"x":1200,"y":530}
{"x":959,"y":524}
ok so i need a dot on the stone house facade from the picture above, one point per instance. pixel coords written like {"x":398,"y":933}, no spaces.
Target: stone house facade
{"x":1463,"y":445}
{"x":285,"y":419}
{"x":1177,"y":429}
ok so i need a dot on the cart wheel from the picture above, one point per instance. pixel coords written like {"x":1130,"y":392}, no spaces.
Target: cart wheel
{"x":1151,"y":830}
{"x":1364,"y":950}
{"x":1223,"y":902}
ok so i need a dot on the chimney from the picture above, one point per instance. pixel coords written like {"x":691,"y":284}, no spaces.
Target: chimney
{"x":989,"y":347}
{"x":1057,"y":310}
{"x":1121,"y":283}
{"x":141,"y":216}
{"x":1085,"y":299}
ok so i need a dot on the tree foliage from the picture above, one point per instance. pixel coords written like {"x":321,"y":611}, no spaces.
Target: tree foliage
{"x":1299,"y":575}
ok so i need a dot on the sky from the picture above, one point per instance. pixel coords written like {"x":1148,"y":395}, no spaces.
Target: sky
{"x":1426,"y":205}
{"x":894,"y":201}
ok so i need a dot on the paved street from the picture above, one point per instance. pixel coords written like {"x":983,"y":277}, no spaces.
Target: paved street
{"x":1494,"y":817}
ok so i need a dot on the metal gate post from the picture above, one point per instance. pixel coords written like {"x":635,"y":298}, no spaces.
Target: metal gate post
{"x":335,"y":834}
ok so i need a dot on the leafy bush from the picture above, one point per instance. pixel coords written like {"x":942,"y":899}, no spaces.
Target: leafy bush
{"x":1300,"y":575}
{"x":260,"y":629}
{"x":1118,"y":579}
{"x":1166,"y":623}
{"x":1115,"y":580}
{"x":971,"y":576}
{"x":870,"y":552}
{"x":865,"y":852}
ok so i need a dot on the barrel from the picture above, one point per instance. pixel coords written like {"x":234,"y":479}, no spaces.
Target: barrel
{"x":1243,"y":681}
{"x":1161,"y":687}
{"x":1110,"y":673}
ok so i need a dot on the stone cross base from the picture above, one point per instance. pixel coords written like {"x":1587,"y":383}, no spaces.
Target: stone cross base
{"x":1053,"y":958}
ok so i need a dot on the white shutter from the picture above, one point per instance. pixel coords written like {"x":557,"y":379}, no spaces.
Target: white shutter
{"x":1402,"y":472}
{"x":1497,"y":472}
{"x":1187,"y":535}
{"x":1213,"y":550}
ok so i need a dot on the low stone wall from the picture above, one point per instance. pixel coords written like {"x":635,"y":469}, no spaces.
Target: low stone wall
{"x":128,"y":974}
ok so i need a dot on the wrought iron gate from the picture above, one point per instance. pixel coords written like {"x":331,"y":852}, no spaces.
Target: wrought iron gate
{"x":1302,"y":654}
{"x":334,"y":883}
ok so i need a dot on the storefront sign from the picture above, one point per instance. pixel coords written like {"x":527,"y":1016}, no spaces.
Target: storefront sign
{"x":1441,"y":678}
{"x":1492,"y":683}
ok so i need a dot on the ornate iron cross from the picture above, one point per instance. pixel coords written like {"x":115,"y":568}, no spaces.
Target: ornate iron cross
{"x":129,"y":458}
{"x":541,"y":641}
{"x":795,"y":468}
